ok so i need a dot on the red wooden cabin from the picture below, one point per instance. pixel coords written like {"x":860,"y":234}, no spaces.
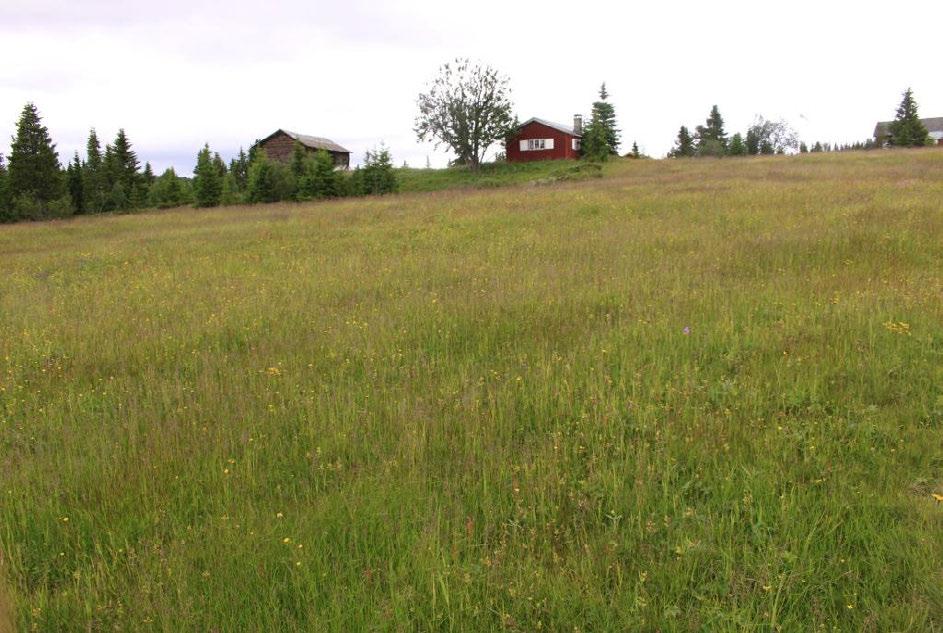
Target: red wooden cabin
{"x":537,"y":139}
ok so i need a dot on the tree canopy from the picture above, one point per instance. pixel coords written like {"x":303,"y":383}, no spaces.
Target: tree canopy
{"x":468,"y":108}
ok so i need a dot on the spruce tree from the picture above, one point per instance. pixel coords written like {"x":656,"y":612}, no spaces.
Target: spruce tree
{"x":604,"y":116}
{"x":595,"y":146}
{"x":711,"y":137}
{"x":207,"y":182}
{"x":378,"y":174}
{"x":684,"y":145}
{"x":907,"y":130}
{"x":230,"y":191}
{"x":34,"y":164}
{"x":239,"y":168}
{"x":737,"y":146}
{"x":93,"y":176}
{"x":5,"y":210}
{"x":125,"y":164}
{"x":76,"y":184}
{"x":635,"y":153}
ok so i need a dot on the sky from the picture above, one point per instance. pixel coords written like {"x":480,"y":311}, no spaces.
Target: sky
{"x":177,"y":74}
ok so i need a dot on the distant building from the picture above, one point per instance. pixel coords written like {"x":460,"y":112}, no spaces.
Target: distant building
{"x":934,"y":126}
{"x":280,"y":145}
{"x":537,"y":139}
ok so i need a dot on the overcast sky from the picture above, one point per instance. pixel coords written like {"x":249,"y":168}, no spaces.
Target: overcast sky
{"x":178,"y":73}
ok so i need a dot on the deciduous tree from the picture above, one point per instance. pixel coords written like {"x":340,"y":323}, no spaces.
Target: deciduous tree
{"x":468,"y":108}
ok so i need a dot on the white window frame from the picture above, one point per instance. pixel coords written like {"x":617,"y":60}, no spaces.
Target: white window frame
{"x":536,"y":144}
{"x":577,"y":144}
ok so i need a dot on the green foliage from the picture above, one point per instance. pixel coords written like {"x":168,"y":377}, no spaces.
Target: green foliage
{"x":34,"y":174}
{"x":595,"y":145}
{"x":76,"y":185}
{"x":604,"y":117}
{"x":123,"y":167}
{"x":207,"y":179}
{"x":635,"y":153}
{"x":239,"y":167}
{"x":230,"y":193}
{"x":737,"y":146}
{"x":907,"y":130}
{"x":6,"y":212}
{"x":467,"y":108}
{"x":803,"y":148}
{"x":269,"y":181}
{"x":711,"y":137}
{"x":320,"y":178}
{"x":168,"y":190}
{"x":753,"y":141}
{"x":93,"y":177}
{"x":378,"y":175}
{"x":684,"y":145}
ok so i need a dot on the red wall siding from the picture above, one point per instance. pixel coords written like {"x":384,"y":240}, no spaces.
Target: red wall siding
{"x":562,"y":144}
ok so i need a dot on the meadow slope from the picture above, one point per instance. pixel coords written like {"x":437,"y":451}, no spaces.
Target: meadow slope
{"x":689,"y":395}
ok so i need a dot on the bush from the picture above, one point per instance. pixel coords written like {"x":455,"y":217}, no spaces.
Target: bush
{"x":29,"y":207}
{"x":269,"y":181}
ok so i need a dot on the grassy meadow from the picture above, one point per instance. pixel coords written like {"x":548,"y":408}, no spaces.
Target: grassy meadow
{"x":690,"y":395}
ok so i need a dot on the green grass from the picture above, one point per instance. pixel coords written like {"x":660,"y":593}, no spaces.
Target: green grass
{"x":481,"y":410}
{"x":491,"y":175}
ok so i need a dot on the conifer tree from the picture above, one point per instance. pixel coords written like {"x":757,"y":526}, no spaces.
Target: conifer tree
{"x":594,"y":145}
{"x":230,"y":193}
{"x":93,"y":176}
{"x":711,"y":137}
{"x":321,"y":179}
{"x":76,"y":184}
{"x":5,"y":210}
{"x":166,"y":191}
{"x":803,"y":148}
{"x":269,"y":181}
{"x":126,"y":163}
{"x":239,"y":168}
{"x":684,"y":145}
{"x":737,"y":146}
{"x":34,"y":164}
{"x":604,"y":116}
{"x":635,"y":153}
{"x":207,"y":182}
{"x":907,"y":130}
{"x":378,"y":174}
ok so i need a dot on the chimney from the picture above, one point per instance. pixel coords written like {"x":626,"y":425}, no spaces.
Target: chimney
{"x":578,"y":124}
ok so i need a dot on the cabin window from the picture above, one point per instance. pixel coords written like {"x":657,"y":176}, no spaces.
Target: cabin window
{"x":536,"y":144}
{"x":576,"y":145}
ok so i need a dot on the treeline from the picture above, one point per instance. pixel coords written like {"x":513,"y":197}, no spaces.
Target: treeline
{"x":35,"y":186}
{"x":254,"y":178}
{"x":778,"y":137}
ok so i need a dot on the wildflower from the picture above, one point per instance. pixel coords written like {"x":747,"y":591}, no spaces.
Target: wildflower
{"x":286,"y":540}
{"x":687,"y":330}
{"x":279,"y":515}
{"x":937,"y":497}
{"x":273,"y":371}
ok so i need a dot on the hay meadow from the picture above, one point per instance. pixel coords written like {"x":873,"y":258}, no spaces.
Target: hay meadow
{"x":690,"y":395}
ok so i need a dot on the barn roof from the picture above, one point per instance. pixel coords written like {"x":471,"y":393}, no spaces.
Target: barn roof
{"x":566,"y":129}
{"x":314,"y":142}
{"x":933,"y":124}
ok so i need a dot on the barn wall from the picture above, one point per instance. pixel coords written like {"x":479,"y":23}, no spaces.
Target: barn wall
{"x":562,"y":144}
{"x":280,"y":148}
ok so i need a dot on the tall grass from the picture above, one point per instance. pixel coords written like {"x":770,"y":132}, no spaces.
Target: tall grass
{"x":691,"y":395}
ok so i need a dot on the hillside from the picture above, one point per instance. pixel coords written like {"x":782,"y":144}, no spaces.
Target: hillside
{"x":689,"y":395}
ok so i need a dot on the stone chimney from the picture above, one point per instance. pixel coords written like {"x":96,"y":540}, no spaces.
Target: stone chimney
{"x":578,"y":124}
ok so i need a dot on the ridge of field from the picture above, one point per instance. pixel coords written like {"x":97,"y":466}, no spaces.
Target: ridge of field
{"x":688,"y":395}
